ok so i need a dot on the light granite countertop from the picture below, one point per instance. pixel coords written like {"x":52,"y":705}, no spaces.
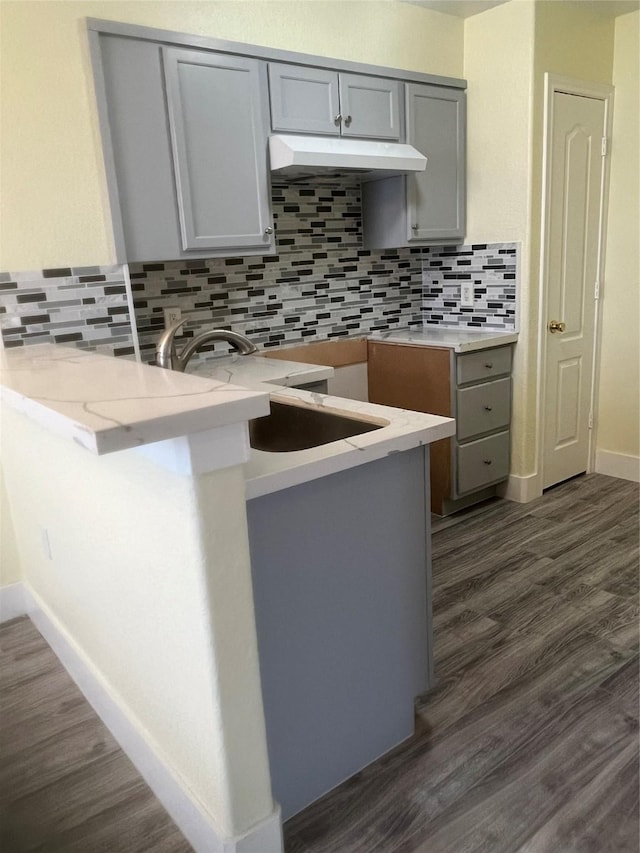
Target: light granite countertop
{"x":249,"y":369}
{"x":401,"y":429}
{"x":107,"y":404}
{"x":459,"y":340}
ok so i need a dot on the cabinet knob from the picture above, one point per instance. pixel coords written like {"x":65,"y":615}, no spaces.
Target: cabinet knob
{"x":268,"y":230}
{"x":488,"y":365}
{"x":487,"y":461}
{"x":347,"y":120}
{"x":337,"y":119}
{"x":488,"y":408}
{"x":414,"y":227}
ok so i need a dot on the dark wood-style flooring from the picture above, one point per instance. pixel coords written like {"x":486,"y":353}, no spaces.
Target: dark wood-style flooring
{"x":65,"y":784}
{"x":529,"y":742}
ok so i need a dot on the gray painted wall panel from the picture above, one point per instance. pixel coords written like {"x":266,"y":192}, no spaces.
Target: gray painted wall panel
{"x":341,"y":572}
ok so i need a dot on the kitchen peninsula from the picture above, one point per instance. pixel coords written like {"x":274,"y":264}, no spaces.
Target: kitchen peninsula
{"x":138,"y":556}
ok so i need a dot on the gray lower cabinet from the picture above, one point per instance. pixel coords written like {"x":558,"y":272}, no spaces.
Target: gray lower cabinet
{"x":429,"y":207}
{"x":481,"y":451}
{"x":342,"y":591}
{"x":186,"y":150}
{"x":475,"y":389}
{"x":321,"y":101}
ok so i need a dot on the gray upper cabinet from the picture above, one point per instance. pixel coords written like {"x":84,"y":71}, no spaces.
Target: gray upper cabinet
{"x":304,"y":100}
{"x":320,"y":101}
{"x":185,"y":129}
{"x":185,"y":150}
{"x":436,"y":197}
{"x":429,"y":207}
{"x":218,"y":149}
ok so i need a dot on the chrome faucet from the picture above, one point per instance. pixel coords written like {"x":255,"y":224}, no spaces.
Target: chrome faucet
{"x":167,"y":357}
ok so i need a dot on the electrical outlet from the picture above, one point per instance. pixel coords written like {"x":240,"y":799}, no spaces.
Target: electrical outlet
{"x":171,"y":316}
{"x":466,"y":294}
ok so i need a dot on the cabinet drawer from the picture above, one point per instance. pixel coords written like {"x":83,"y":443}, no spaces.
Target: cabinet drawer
{"x":483,"y":408}
{"x":483,"y":364}
{"x":483,"y":462}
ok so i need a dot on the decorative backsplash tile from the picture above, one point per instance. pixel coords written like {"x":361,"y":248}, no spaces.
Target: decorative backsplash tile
{"x":86,"y":307}
{"x":320,"y":285}
{"x":493,"y":269}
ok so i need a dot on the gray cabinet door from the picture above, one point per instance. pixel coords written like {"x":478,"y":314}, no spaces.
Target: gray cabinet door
{"x":219,"y":149}
{"x":314,"y":100}
{"x":370,"y":106}
{"x":304,"y":100}
{"x":436,"y":197}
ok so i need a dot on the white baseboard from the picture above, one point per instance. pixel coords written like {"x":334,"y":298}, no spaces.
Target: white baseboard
{"x":521,"y":489}
{"x":186,"y":813}
{"x":12,"y":601}
{"x":618,"y":465}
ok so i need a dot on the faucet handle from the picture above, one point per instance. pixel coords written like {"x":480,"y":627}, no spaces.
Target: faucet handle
{"x":165,"y":349}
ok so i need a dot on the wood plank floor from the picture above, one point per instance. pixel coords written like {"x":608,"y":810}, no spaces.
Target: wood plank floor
{"x":65,"y":785}
{"x":530,"y":740}
{"x":528,"y":743}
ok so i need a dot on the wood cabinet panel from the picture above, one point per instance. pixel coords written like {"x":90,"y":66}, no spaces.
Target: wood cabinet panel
{"x":410,"y":377}
{"x":417,"y":378}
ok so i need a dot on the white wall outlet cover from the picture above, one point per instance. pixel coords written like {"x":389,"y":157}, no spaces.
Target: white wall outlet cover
{"x":466,"y":295}
{"x":171,"y":316}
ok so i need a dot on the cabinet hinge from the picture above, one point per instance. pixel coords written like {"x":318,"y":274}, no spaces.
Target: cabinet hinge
{"x":590,"y":423}
{"x":604,"y":150}
{"x":596,"y":290}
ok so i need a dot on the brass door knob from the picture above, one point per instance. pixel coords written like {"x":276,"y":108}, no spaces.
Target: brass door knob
{"x":556,"y":326}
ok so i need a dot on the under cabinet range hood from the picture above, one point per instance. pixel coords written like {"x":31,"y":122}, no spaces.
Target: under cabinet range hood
{"x":310,"y":156}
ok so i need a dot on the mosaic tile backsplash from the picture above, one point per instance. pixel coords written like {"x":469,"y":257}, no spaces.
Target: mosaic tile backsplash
{"x":322,"y":284}
{"x":492,"y":269}
{"x":85,"y":307}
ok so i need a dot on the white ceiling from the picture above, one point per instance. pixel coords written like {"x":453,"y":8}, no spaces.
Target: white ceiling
{"x":461,"y":8}
{"x":466,"y":8}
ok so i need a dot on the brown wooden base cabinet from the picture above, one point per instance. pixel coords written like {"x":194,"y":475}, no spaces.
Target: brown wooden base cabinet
{"x":475,"y":389}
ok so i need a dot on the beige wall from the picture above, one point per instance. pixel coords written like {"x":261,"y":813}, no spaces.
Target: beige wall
{"x":507,"y":51}
{"x":618,"y":417}
{"x":52,"y":177}
{"x":10,"y":571}
{"x":572,"y":40}
{"x":498,"y":65}
{"x":154,"y":592}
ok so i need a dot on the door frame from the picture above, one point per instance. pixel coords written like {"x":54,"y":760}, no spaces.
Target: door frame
{"x":554,"y":83}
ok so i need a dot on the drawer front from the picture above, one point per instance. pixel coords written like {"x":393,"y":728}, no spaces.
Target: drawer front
{"x":483,"y":364}
{"x":483,"y":462}
{"x":483,"y":408}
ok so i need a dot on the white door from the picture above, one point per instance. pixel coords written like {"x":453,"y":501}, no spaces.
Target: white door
{"x":573,"y":253}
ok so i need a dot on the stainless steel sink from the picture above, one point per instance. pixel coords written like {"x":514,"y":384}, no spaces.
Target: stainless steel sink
{"x":299,"y":427}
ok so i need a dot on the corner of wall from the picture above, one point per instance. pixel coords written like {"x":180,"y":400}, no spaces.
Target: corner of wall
{"x":10,"y":565}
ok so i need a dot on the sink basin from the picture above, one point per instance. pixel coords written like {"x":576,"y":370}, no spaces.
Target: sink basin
{"x":290,"y":427}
